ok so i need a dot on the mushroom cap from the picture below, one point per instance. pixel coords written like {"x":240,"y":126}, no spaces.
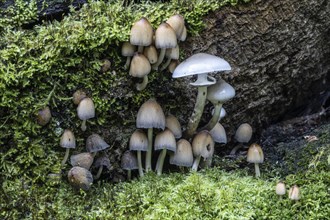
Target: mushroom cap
{"x":84,"y":160}
{"x":141,"y":33}
{"x":183,"y":155}
{"x":165,"y":36}
{"x":177,"y":23}
{"x":67,"y":139}
{"x":140,"y":66}
{"x":220,"y":92}
{"x":243,"y":133}
{"x":173,"y":65}
{"x":173,"y":53}
{"x":103,"y":161}
{"x":203,"y":145}
{"x":172,"y":123}
{"x":44,"y":116}
{"x":280,"y":188}
{"x":138,"y":141}
{"x":223,"y":112}
{"x":78,"y":96}
{"x":255,"y":154}
{"x":150,"y":115}
{"x":200,"y":63}
{"x":86,"y":109}
{"x":150,"y":53}
{"x":95,"y":143}
{"x":218,"y":134}
{"x":165,"y":140}
{"x":127,"y":49}
{"x":129,"y":161}
{"x":80,"y":178}
{"x":184,"y":34}
{"x":294,"y":193}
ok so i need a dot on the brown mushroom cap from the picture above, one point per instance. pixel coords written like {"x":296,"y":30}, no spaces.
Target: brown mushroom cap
{"x":138,"y":141}
{"x":95,"y":143}
{"x":86,"y":109}
{"x":150,"y":115}
{"x":177,"y":23}
{"x":127,"y":49}
{"x":141,"y":33}
{"x":243,"y":133}
{"x":294,"y":193}
{"x":68,"y":139}
{"x":183,"y":155}
{"x":165,"y":140}
{"x":203,"y":145}
{"x":165,"y":36}
{"x":173,"y":53}
{"x":129,"y":161}
{"x":140,"y":66}
{"x":84,"y":160}
{"x":80,"y":178}
{"x":150,"y":53}
{"x":44,"y":116}
{"x":172,"y":123}
{"x":255,"y":154}
{"x":78,"y":96}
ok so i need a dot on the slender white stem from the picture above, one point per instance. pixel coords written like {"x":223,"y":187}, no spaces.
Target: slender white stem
{"x":196,"y":163}
{"x":149,"y":152}
{"x":99,"y":172}
{"x":65,"y":157}
{"x":160,"y":162}
{"x":256,"y":167}
{"x":143,"y":85}
{"x":140,"y":163}
{"x":215,"y":118}
{"x":160,"y":59}
{"x":83,"y":125}
{"x":168,"y":61}
{"x":128,"y":62}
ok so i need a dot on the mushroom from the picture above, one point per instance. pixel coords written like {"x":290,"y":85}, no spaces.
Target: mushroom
{"x":141,"y":34}
{"x":177,"y":23}
{"x":256,"y":156}
{"x":95,"y":143}
{"x":129,"y":162}
{"x":173,"y":65}
{"x":80,"y":178}
{"x":140,"y":67}
{"x":127,"y":50}
{"x":44,"y":116}
{"x":101,"y":162}
{"x":150,"y":115}
{"x":150,"y":52}
{"x":183,"y":155}
{"x":280,"y":189}
{"x":184,"y":34}
{"x":85,"y":110}
{"x":243,"y":134}
{"x":67,"y":141}
{"x":84,"y":160}
{"x":164,"y":141}
{"x":78,"y":96}
{"x":202,"y":146}
{"x":218,"y":94}
{"x":139,"y":142}
{"x":218,"y":134}
{"x":165,"y":38}
{"x":223,"y":113}
{"x":294,"y":193}
{"x":200,"y":64}
{"x":106,"y":65}
{"x":170,"y":54}
{"x":172,"y":123}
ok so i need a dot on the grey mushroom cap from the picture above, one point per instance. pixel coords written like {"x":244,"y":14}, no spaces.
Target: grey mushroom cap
{"x":200,"y":63}
{"x":243,"y":133}
{"x":220,"y":92}
{"x":173,"y":124}
{"x":84,"y":160}
{"x":86,"y":109}
{"x":129,"y":161}
{"x":165,"y":140}
{"x":68,"y":139}
{"x":203,"y":145}
{"x":127,"y":49}
{"x":218,"y":134}
{"x":141,"y":33}
{"x":80,"y":178}
{"x":103,"y":161}
{"x":138,"y":141}
{"x":95,"y":143}
{"x":183,"y":155}
{"x":150,"y":115}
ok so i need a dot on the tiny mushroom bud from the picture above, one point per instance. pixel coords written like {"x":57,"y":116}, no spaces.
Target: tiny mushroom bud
{"x":95,"y":143}
{"x":141,"y":34}
{"x":68,"y":141}
{"x":172,"y":123}
{"x":85,"y":110}
{"x":243,"y":134}
{"x":44,"y":116}
{"x":101,"y":162}
{"x":84,"y":160}
{"x":78,"y":96}
{"x":256,"y":156}
{"x":183,"y":155}
{"x":218,"y":134}
{"x":140,"y":67}
{"x":202,"y":146}
{"x":139,"y":142}
{"x":280,"y":189}
{"x":294,"y":193}
{"x":80,"y":178}
{"x":129,"y":162}
{"x":127,"y":50}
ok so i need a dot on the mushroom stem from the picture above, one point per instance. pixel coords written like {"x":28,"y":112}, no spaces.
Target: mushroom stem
{"x":143,"y":85}
{"x":149,"y":152}
{"x":256,"y":167}
{"x":129,"y":175}
{"x":128,"y":62}
{"x":215,"y":118}
{"x":65,"y":157}
{"x":168,"y":61}
{"x":83,"y":125}
{"x":196,"y":163}
{"x":160,"y":162}
{"x":98,"y":175}
{"x":160,"y":58}
{"x":140,"y":49}
{"x":138,"y":153}
{"x":197,"y":113}
{"x":235,"y":149}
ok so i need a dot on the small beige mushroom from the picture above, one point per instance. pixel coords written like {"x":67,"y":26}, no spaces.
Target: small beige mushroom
{"x":255,"y":155}
{"x":85,"y":110}
{"x":68,"y":141}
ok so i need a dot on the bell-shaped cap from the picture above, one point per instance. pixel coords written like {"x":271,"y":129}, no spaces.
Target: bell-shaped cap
{"x":129,"y":161}
{"x":95,"y":143}
{"x":103,"y":161}
{"x":294,"y":193}
{"x":172,"y":123}
{"x":173,"y":53}
{"x":200,"y":63}
{"x":203,"y":145}
{"x":78,"y":96}
{"x":184,"y":34}
{"x":177,"y":23}
{"x":165,"y":140}
{"x":243,"y":133}
{"x":150,"y":53}
{"x":220,"y":92}
{"x":67,"y":139}
{"x":84,"y":160}
{"x":165,"y":36}
{"x":280,"y":189}
{"x":255,"y":154}
{"x":86,"y":109}
{"x":138,"y":141}
{"x":44,"y":116}
{"x":150,"y":115}
{"x":218,"y":134}
{"x":127,"y":49}
{"x":140,"y":66}
{"x":80,"y":178}
{"x":141,"y":33}
{"x":183,"y":155}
